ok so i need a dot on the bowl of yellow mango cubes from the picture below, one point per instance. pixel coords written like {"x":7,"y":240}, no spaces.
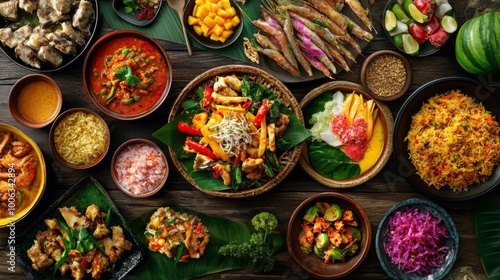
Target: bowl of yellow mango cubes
{"x":214,"y":24}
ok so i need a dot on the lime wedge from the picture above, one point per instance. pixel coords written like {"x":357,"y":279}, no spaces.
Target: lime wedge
{"x":410,"y":45}
{"x":449,"y":24}
{"x":398,"y":40}
{"x":400,"y":13}
{"x":416,"y":14}
{"x":390,"y":21}
{"x":405,"y":5}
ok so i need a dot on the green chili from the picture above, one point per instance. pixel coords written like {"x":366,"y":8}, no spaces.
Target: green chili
{"x":129,"y":101}
{"x":66,"y":229}
{"x":108,"y":217}
{"x":137,"y":97}
{"x":111,"y":94}
{"x":64,"y":254}
{"x":180,"y":250}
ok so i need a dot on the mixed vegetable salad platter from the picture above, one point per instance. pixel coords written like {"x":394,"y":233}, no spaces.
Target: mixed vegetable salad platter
{"x":234,"y":131}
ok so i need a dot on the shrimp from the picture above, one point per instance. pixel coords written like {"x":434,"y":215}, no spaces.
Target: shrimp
{"x":20,"y":148}
{"x":6,"y":139}
{"x":26,"y":170}
{"x":280,"y":37}
{"x":361,"y":12}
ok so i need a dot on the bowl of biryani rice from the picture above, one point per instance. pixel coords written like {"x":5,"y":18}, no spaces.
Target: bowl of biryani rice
{"x":446,"y":139}
{"x":79,"y":138}
{"x":139,"y":168}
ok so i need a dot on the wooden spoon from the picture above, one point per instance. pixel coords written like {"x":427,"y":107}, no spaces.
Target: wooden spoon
{"x":178,"y":6}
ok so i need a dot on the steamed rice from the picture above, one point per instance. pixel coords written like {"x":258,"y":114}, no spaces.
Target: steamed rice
{"x":453,"y":141}
{"x":140,"y":168}
{"x":80,"y":138}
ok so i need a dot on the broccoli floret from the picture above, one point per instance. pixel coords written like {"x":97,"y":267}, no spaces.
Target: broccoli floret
{"x":257,"y":251}
{"x":265,"y":222}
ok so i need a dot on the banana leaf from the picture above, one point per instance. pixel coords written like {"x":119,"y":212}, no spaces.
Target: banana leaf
{"x":168,"y":134}
{"x":487,"y":224}
{"x":167,"y":26}
{"x":222,"y":232}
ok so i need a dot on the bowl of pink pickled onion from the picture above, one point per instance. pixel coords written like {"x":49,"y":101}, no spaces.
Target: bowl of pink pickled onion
{"x":417,"y":239}
{"x":139,"y":168}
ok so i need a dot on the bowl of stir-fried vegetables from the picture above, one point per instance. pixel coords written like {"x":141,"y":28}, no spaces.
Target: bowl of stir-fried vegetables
{"x":234,"y":131}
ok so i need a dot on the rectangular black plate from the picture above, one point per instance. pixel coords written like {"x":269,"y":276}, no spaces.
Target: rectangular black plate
{"x":81,"y":195}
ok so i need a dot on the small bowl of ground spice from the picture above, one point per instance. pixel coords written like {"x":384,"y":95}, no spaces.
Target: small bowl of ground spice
{"x":386,"y":75}
{"x":79,"y":138}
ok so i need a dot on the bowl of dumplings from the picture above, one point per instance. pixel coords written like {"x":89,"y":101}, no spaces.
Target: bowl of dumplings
{"x":47,"y":35}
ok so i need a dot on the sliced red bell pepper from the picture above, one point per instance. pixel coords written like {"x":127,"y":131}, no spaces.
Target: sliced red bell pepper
{"x":199,"y":228}
{"x":188,"y":129}
{"x":155,"y":246}
{"x":247,"y":104}
{"x":207,"y":93}
{"x":199,"y":148}
{"x":184,"y":258}
{"x":261,"y":113}
{"x":217,"y":171}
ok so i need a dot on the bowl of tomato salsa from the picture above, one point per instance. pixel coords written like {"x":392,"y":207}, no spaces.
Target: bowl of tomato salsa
{"x":127,"y":75}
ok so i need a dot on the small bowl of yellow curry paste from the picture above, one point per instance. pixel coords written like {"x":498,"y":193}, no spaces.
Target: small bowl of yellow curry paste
{"x":35,"y":100}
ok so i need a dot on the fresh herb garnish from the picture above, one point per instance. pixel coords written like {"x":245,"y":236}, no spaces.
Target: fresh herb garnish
{"x":130,"y":6}
{"x":125,"y":74}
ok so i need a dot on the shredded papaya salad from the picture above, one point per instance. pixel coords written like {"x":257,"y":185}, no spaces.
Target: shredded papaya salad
{"x":416,"y":241}
{"x":234,"y":130}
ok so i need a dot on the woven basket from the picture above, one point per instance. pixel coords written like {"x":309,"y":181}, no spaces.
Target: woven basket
{"x":387,"y":120}
{"x":288,"y":159}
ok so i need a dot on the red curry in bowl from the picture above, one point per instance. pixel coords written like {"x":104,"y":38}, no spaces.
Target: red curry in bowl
{"x":127,"y":75}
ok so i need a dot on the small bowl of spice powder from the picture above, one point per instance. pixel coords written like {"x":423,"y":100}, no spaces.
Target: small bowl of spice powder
{"x":386,"y":75}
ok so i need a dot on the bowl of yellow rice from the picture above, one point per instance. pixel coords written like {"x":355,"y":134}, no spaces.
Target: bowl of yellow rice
{"x":79,"y":138}
{"x":447,"y":139}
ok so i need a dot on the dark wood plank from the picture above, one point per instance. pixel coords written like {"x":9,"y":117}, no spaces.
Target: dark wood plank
{"x":377,"y":195}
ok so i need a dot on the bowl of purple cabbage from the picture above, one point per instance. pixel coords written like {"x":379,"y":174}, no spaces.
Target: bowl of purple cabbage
{"x":417,"y":239}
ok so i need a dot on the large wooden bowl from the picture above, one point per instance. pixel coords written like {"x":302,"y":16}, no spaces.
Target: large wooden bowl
{"x":386,"y":118}
{"x":288,"y":159}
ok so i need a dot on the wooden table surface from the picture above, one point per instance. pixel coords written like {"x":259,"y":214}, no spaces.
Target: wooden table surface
{"x":376,"y":196}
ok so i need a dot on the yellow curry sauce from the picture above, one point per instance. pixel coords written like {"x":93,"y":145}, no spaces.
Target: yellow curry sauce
{"x":38,"y":101}
{"x":128,"y":75}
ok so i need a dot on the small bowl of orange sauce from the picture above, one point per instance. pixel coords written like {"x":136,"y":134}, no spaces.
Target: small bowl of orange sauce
{"x":35,"y":100}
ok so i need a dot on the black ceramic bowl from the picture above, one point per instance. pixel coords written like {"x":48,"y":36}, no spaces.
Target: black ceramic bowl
{"x":452,"y":242}
{"x":470,"y":87}
{"x":206,"y":41}
{"x":67,"y":59}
